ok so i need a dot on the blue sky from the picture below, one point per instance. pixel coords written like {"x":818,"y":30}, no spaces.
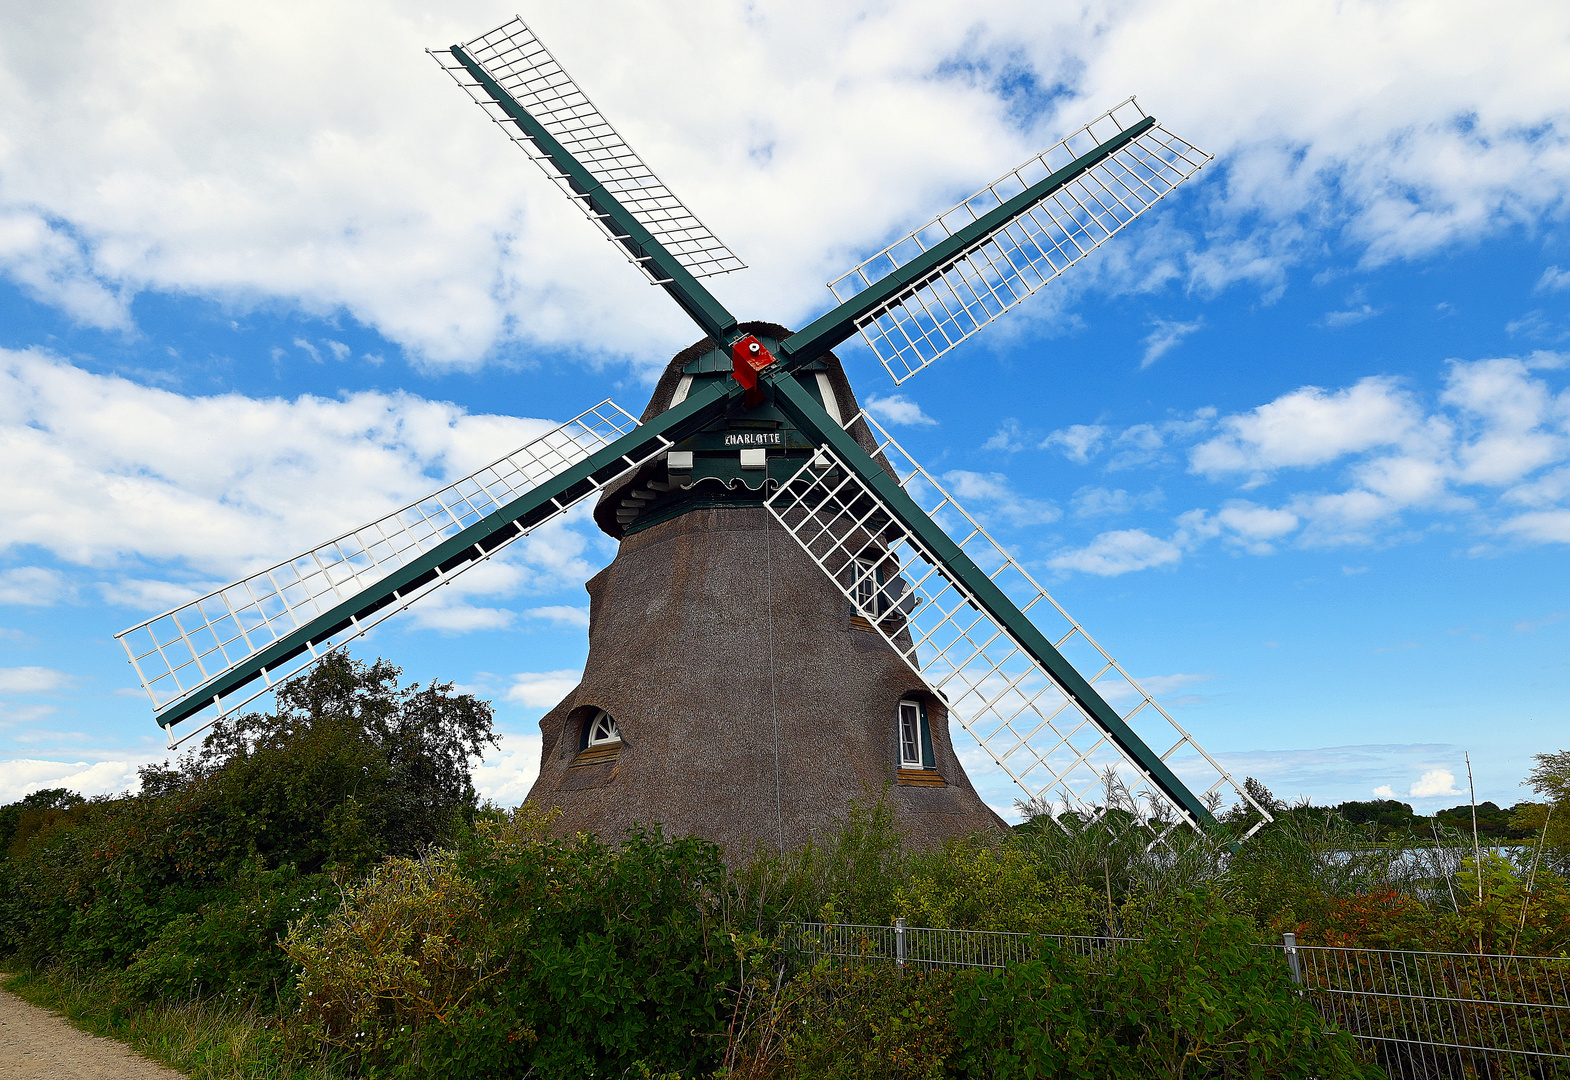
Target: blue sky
{"x":1295,"y":446}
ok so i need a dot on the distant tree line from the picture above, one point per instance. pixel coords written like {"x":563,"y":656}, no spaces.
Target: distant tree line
{"x":1386,"y":819}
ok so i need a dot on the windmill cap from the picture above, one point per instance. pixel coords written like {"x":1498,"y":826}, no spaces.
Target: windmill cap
{"x":610,"y":500}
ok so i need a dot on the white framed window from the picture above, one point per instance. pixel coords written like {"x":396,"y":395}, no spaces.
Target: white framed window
{"x":602,"y":729}
{"x":915,"y":742}
{"x":866,"y":586}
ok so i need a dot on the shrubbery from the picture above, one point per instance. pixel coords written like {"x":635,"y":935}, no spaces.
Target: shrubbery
{"x":326,"y":868}
{"x":187,"y":887}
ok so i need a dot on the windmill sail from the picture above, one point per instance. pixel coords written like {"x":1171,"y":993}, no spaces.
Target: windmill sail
{"x":1047,"y":734}
{"x":524,"y":69}
{"x":1013,"y":236}
{"x":274,"y":623}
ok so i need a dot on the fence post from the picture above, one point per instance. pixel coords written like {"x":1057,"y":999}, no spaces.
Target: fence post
{"x":1293,"y":963}
{"x":899,"y":944}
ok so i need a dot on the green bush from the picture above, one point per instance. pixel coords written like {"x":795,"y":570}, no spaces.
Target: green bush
{"x":1202,"y":1000}
{"x":986,"y":884}
{"x":864,"y":1020}
{"x":1030,"y":1020}
{"x":522,"y":951}
{"x":407,"y":949}
{"x":187,"y":887}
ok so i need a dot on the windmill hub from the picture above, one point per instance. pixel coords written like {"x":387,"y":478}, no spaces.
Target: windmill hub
{"x":738,"y":458}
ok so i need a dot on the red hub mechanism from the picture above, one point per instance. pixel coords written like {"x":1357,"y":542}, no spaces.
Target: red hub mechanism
{"x":748,"y":357}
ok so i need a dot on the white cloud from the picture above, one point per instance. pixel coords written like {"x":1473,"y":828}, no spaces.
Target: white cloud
{"x":221,"y":157}
{"x":1167,"y":335}
{"x":1091,"y":501}
{"x":1254,"y":527}
{"x":1077,"y":442}
{"x":23,"y":776}
{"x":1433,"y":783}
{"x":32,"y":586}
{"x":1553,"y":280}
{"x":542,"y":689}
{"x":1358,"y":310}
{"x":1542,"y":527}
{"x":152,"y":594}
{"x":32,"y":680}
{"x":1115,"y":688}
{"x":562,"y":615}
{"x":991,"y":493}
{"x":93,"y":476}
{"x":1496,"y":440}
{"x":1309,"y":427}
{"x":1008,"y":438}
{"x":1503,"y":407}
{"x":1384,"y":791}
{"x":1120,"y":552}
{"x":898,"y":409}
{"x":509,"y":770}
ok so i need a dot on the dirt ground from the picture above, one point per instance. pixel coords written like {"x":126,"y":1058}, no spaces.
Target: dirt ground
{"x":36,"y":1044}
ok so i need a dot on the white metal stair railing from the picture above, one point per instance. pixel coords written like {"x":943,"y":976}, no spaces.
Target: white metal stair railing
{"x":1038,"y":735}
{"x":185,"y":648}
{"x":935,"y":314}
{"x":522,"y":65}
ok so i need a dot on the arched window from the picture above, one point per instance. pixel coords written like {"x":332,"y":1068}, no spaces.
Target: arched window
{"x":915,"y":737}
{"x":601,"y":727}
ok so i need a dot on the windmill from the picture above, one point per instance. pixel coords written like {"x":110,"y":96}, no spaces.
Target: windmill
{"x":796,"y":609}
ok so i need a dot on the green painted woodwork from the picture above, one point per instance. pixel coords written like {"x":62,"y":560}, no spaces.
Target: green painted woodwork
{"x":528,"y":510}
{"x":928,"y":760}
{"x":829,"y":330}
{"x":805,"y":412}
{"x":694,"y":299}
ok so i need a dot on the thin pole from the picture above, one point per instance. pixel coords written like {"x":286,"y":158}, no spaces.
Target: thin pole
{"x":1477,"y":852}
{"x":1531,"y":878}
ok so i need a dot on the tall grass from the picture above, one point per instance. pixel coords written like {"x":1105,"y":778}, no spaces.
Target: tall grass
{"x":216,"y":1038}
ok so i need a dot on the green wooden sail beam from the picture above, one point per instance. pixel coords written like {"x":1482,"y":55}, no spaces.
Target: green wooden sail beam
{"x":835,"y":326}
{"x":805,"y":412}
{"x":464,"y":548}
{"x":718,"y":323}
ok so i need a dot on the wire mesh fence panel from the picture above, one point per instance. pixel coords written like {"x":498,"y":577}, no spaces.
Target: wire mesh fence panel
{"x":1441,"y":1015}
{"x":1041,"y":735}
{"x":929,"y":947}
{"x":1419,"y":1015}
{"x":178,"y":653}
{"x":524,"y":68}
{"x":1014,"y":260}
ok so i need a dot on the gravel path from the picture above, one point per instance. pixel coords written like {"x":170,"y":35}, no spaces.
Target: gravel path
{"x":36,"y":1044}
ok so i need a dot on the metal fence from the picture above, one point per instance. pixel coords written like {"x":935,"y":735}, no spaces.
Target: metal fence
{"x":1420,"y":1015}
{"x":925,"y":947}
{"x":1425,"y":1014}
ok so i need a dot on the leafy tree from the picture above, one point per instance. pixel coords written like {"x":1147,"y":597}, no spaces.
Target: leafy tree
{"x":186,"y":887}
{"x":1382,"y":818}
{"x":1548,"y":823}
{"x":348,"y":767}
{"x":1494,"y":825}
{"x":21,"y":819}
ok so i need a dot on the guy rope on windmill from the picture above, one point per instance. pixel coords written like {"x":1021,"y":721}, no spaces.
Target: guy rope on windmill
{"x":796,"y":609}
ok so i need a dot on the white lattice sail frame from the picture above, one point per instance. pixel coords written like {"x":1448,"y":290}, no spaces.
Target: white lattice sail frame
{"x":524,"y":67}
{"x":1037,"y":734}
{"x":190,"y":646}
{"x":935,"y":314}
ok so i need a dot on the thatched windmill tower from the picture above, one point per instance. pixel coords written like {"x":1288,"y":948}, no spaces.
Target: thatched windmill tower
{"x":731,"y":691}
{"x":784,"y":625}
